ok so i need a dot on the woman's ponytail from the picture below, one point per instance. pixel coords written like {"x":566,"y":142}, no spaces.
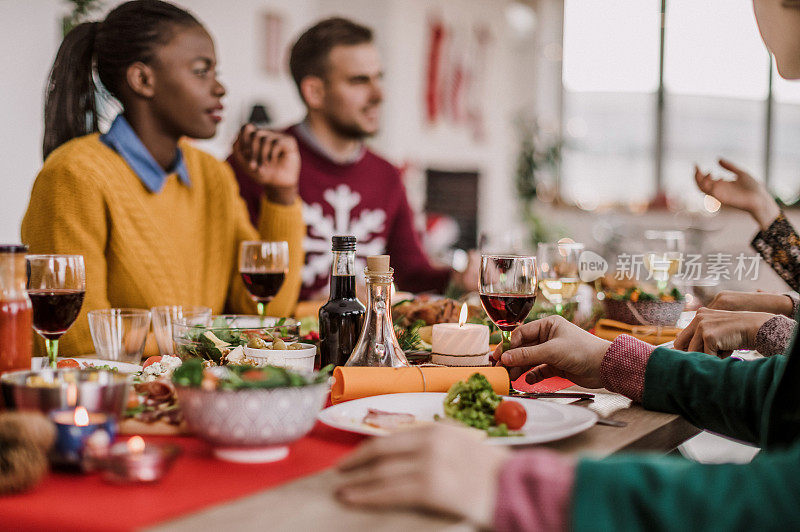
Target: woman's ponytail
{"x":70,"y":108}
{"x":129,"y":33}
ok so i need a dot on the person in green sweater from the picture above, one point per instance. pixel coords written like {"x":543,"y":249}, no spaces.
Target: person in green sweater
{"x":756,"y":401}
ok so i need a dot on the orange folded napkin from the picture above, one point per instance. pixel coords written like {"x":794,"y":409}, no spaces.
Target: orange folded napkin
{"x":652,"y":334}
{"x":356,"y":382}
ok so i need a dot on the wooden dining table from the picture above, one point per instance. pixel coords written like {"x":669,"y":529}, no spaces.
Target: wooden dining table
{"x":309,"y":503}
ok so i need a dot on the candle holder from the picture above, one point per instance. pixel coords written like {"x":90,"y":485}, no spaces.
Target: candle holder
{"x":137,"y":462}
{"x":77,"y":429}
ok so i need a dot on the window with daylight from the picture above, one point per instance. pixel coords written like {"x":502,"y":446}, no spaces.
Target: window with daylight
{"x":645,"y":102}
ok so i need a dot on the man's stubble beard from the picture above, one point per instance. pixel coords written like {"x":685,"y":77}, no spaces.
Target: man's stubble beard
{"x":351,"y":131}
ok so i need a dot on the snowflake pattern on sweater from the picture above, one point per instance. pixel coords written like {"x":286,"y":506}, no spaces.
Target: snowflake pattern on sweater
{"x":366,"y":227}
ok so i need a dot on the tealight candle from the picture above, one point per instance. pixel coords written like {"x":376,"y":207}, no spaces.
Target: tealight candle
{"x":137,"y":461}
{"x":460,"y":344}
{"x":73,"y":429}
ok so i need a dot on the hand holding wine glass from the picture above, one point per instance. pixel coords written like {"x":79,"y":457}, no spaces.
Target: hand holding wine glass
{"x":263,"y":267}
{"x":507,"y":290}
{"x":56,"y":287}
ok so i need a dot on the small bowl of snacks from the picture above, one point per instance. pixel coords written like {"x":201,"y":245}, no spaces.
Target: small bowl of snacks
{"x":249,"y":414}
{"x":296,"y":356}
{"x":213,"y":338}
{"x":46,"y":390}
{"x":635,"y":306}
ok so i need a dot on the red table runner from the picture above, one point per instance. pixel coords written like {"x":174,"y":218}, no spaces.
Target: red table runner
{"x":197,"y":481}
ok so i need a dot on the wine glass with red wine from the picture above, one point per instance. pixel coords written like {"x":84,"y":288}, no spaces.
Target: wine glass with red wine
{"x":263,"y":266}
{"x":56,"y":286}
{"x":508,"y":290}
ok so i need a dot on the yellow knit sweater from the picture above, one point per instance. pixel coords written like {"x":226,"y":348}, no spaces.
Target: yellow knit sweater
{"x":175,"y":247}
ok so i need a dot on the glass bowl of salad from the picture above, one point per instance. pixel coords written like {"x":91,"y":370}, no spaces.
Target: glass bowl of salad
{"x":209,"y":338}
{"x":249,"y":414}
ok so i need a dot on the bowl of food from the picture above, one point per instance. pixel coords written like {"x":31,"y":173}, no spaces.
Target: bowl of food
{"x":214,"y":337}
{"x":635,"y":306}
{"x":296,"y":356}
{"x":249,"y":414}
{"x":46,"y":390}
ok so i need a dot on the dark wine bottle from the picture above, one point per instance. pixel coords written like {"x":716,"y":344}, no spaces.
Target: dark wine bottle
{"x":341,"y":318}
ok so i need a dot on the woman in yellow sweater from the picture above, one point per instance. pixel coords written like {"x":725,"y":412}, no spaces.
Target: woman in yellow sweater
{"x":158,"y":221}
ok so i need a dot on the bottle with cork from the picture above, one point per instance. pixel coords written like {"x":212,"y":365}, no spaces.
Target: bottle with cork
{"x":342,"y":317}
{"x":377,"y":345}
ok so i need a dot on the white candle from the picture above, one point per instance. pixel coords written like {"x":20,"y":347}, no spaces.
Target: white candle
{"x":460,"y":338}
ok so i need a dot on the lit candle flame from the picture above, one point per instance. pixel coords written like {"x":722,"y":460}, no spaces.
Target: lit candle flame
{"x":462,"y":318}
{"x":136,"y":445}
{"x":81,"y":417}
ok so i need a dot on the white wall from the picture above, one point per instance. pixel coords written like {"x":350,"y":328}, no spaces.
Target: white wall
{"x":31,"y":30}
{"x":29,"y":37}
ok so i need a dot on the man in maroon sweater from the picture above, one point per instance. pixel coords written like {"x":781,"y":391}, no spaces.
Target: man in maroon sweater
{"x":345,"y":187}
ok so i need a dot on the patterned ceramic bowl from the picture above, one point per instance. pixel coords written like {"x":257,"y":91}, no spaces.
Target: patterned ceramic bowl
{"x":252,"y":426}
{"x":663,"y":313}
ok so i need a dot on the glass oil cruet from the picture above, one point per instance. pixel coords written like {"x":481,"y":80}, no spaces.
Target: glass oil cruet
{"x":377,"y":345}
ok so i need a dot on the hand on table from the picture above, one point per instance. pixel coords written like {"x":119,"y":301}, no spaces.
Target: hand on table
{"x":271,"y":159}
{"x":554,"y":347}
{"x":753,"y":302}
{"x":439,"y":467}
{"x":718,"y":332}
{"x":743,"y":193}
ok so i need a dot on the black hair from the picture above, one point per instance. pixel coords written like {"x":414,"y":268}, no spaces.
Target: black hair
{"x":309,"y":55}
{"x":130,"y":33}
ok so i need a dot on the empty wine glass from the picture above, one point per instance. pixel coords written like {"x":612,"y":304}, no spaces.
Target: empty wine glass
{"x":507,"y":290}
{"x":263,"y":267}
{"x":56,"y":286}
{"x":559,"y":272}
{"x":664,"y":255}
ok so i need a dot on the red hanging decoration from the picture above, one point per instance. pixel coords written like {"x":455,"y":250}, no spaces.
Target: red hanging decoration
{"x":433,"y":76}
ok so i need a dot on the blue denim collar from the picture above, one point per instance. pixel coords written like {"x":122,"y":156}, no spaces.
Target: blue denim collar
{"x":123,"y":139}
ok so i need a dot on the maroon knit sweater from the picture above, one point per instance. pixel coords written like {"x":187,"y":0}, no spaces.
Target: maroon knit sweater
{"x":365,"y":198}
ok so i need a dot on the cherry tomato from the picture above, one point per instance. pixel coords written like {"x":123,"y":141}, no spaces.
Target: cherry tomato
{"x":511,"y":413}
{"x":151,"y":360}
{"x":68,"y":363}
{"x":253,"y":375}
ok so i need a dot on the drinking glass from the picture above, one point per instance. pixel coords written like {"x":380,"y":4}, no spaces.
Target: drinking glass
{"x":119,"y":334}
{"x":56,"y":286}
{"x":664,"y":255}
{"x":263,"y":266}
{"x":507,"y":290}
{"x":559,"y":275}
{"x":163,"y":318}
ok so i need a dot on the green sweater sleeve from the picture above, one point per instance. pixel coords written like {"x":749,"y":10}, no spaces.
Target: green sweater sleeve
{"x":725,"y":396}
{"x":666,"y":493}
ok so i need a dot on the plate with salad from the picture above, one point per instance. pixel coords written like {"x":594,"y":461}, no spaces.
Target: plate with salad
{"x":506,"y":421}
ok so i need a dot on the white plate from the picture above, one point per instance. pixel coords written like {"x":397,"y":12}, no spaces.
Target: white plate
{"x":123,"y":367}
{"x":546,"y":421}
